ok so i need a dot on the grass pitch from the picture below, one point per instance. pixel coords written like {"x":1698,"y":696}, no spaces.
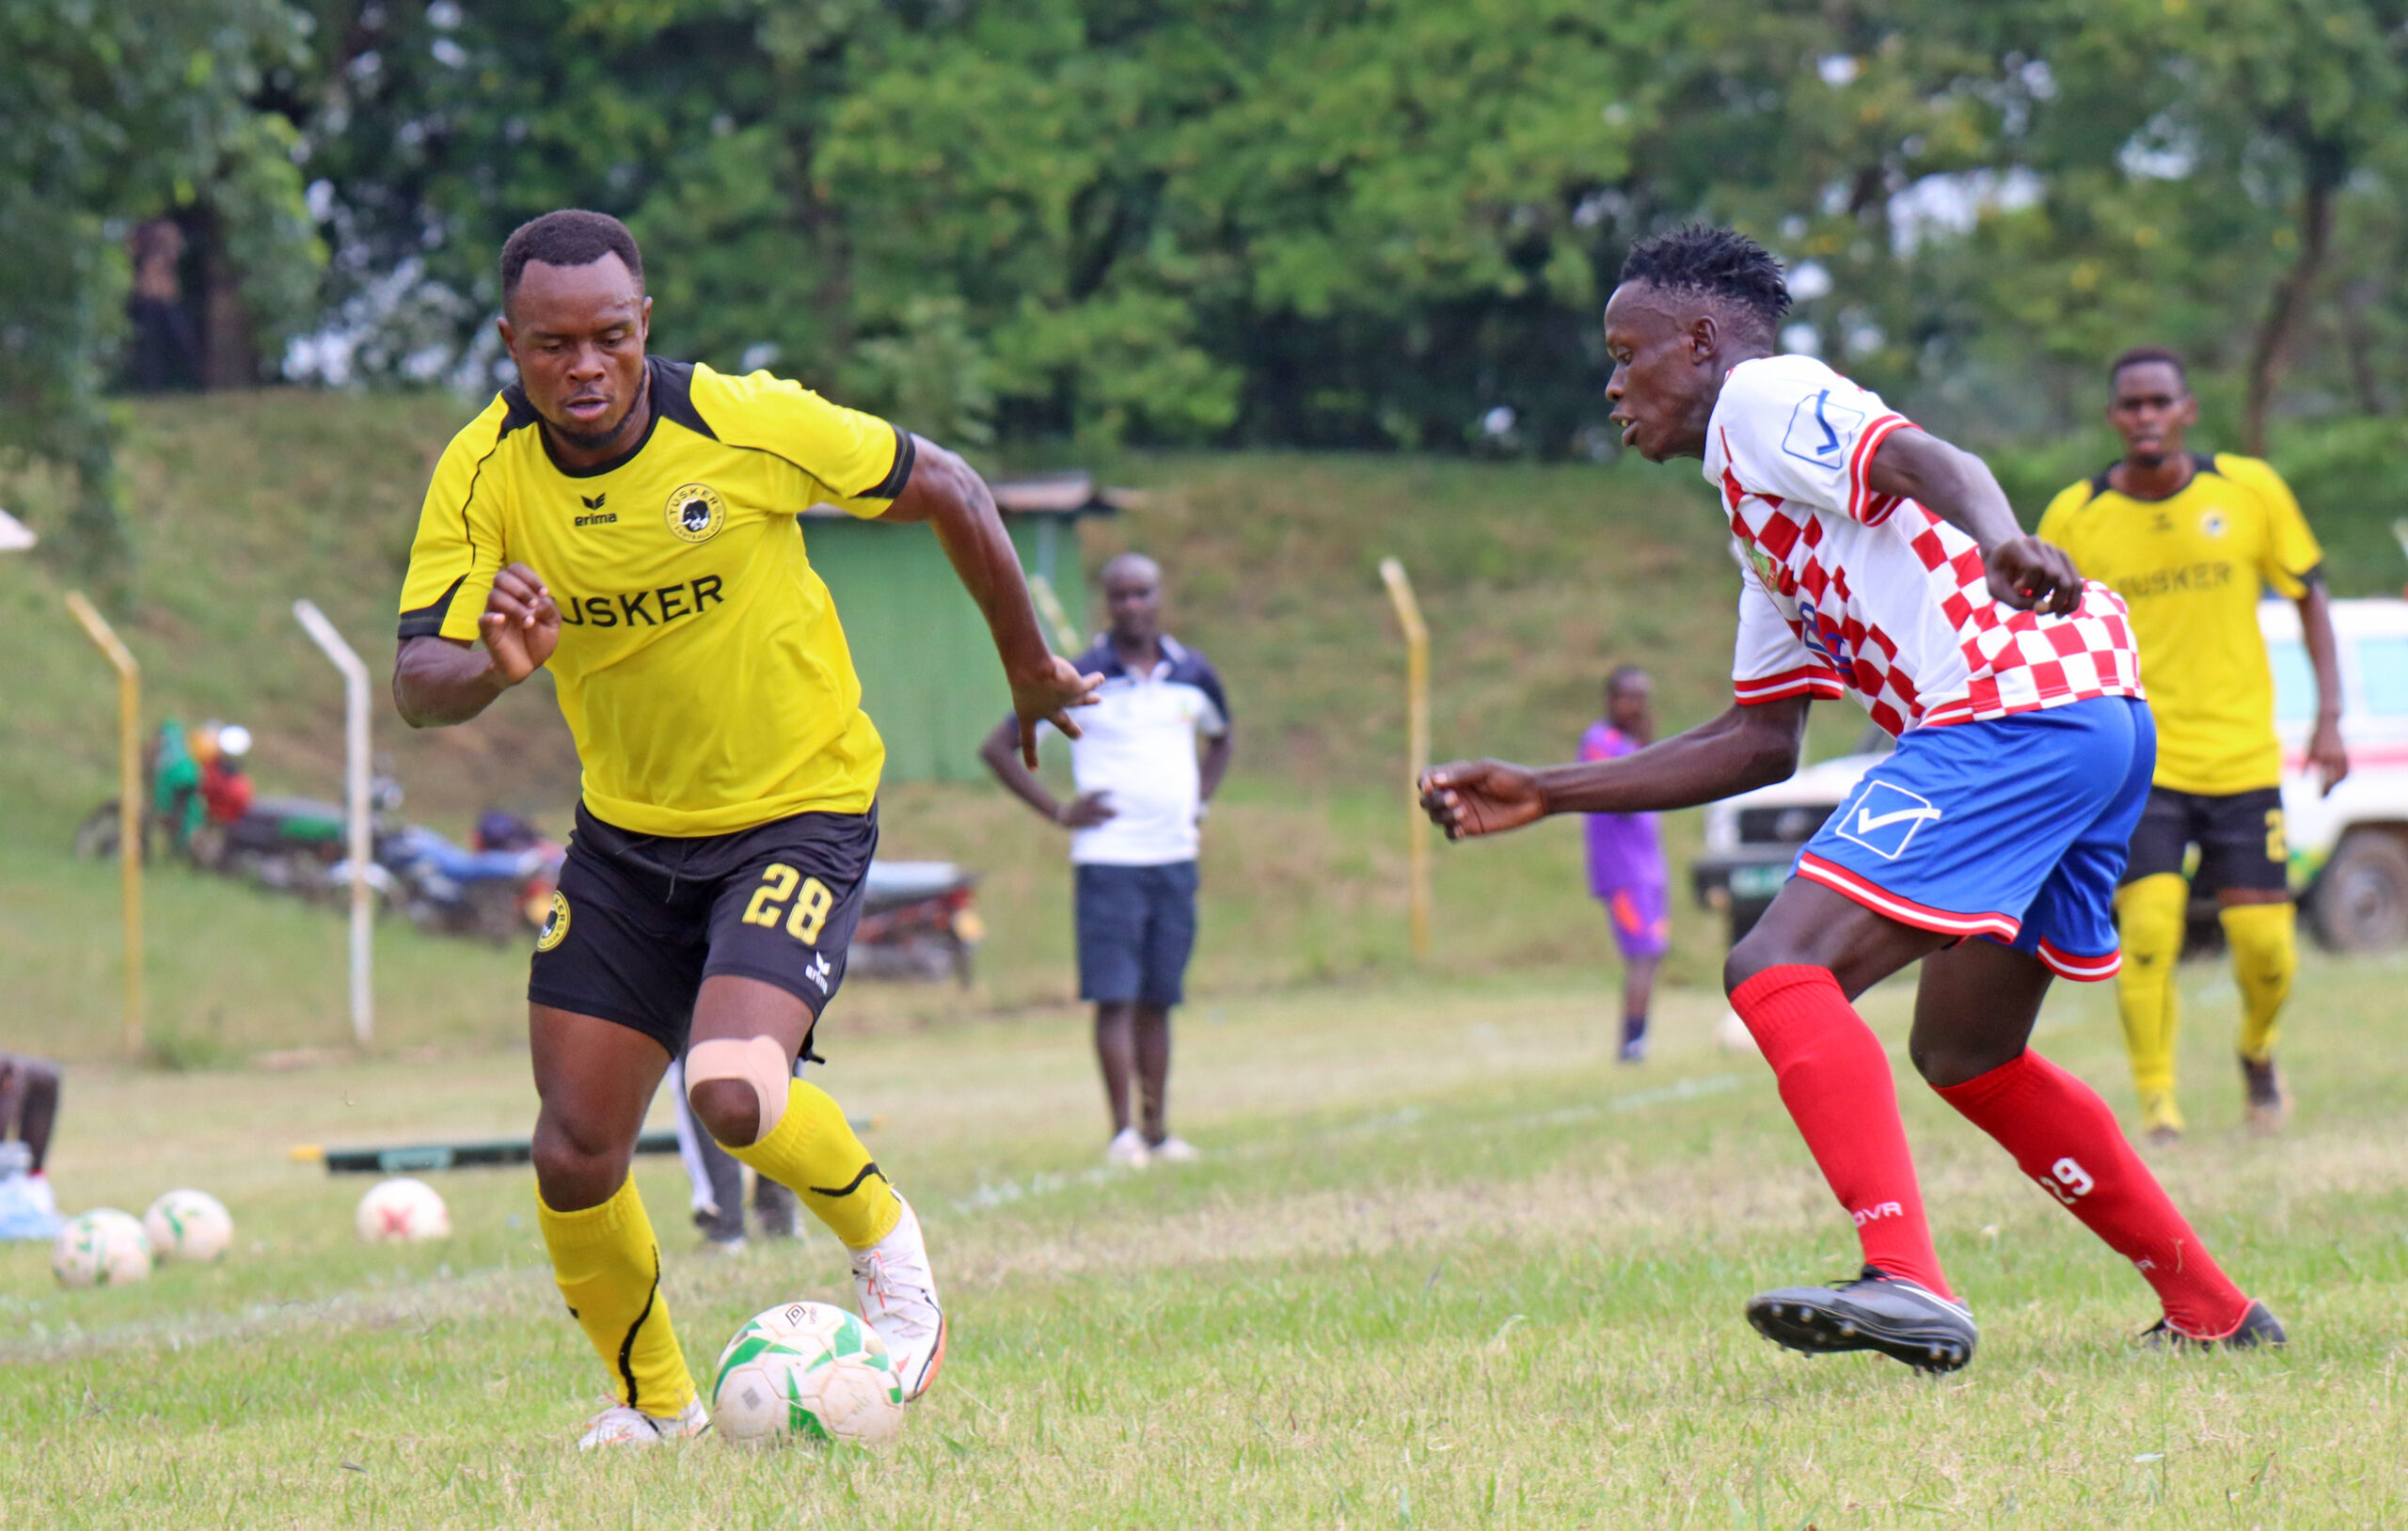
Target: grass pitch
{"x":1447,"y":1265}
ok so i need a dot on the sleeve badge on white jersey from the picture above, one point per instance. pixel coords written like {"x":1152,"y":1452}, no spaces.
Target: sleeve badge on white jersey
{"x":1821,"y":429}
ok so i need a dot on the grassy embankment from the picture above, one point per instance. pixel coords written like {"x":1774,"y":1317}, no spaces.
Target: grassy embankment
{"x":1534,"y":579}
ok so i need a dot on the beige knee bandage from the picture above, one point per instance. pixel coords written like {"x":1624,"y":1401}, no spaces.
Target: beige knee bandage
{"x":757,"y":1061}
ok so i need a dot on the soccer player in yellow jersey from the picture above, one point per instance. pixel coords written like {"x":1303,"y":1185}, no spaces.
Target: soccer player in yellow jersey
{"x":2188,"y":540}
{"x":630,"y":524}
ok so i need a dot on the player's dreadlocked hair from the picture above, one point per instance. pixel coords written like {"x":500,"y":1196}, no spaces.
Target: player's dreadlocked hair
{"x":569,"y":237}
{"x":1702,"y":259}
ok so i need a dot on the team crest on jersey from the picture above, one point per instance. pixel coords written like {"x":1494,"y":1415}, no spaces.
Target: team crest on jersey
{"x":555,"y":923}
{"x":1767,"y":570}
{"x":2211,"y":524}
{"x":696,"y":512}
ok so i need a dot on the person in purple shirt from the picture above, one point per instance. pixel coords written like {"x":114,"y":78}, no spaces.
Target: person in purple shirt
{"x":1627,"y":857}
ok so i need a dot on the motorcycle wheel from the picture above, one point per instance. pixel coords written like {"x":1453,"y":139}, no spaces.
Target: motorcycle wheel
{"x":96,"y":836}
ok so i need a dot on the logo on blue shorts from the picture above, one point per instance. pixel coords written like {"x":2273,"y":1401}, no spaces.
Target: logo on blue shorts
{"x":1883,"y":819}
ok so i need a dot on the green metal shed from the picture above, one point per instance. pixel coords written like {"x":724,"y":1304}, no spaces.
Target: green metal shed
{"x":929,"y":676}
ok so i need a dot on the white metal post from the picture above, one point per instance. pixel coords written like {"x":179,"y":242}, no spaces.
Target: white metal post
{"x":355,"y":773}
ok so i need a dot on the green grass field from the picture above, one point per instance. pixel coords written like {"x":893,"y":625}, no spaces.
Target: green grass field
{"x":1446,"y":1265}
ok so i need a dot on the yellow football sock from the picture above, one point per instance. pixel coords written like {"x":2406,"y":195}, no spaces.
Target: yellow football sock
{"x":2265,"y":954}
{"x":2149,"y":913}
{"x":813,"y":1153}
{"x":609,"y":1269}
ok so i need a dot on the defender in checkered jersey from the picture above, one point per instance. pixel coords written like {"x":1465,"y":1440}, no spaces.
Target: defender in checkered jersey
{"x":1885,"y":563}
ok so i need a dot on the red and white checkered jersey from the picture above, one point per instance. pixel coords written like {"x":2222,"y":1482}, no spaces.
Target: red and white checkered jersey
{"x":1852,"y":591}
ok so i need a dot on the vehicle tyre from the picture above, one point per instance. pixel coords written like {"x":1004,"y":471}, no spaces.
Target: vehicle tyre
{"x":97,"y":835}
{"x":1744,"y":912}
{"x":2361,"y":900}
{"x":491,"y":911}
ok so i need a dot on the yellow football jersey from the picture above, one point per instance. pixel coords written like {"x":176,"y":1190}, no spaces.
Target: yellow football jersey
{"x":2191,"y":567}
{"x":701,"y":665}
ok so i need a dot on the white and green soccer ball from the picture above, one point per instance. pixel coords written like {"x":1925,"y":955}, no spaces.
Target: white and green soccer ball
{"x":102,"y":1248}
{"x":807,"y":1371}
{"x":188,"y":1226}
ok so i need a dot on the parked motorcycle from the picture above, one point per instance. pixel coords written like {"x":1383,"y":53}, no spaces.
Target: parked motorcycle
{"x":917,"y":921}
{"x":499,"y":889}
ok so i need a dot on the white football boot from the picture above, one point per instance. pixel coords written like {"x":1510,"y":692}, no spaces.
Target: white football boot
{"x":620,"y":1426}
{"x":1176,"y":1150}
{"x":1127,"y":1150}
{"x":898,"y":1298}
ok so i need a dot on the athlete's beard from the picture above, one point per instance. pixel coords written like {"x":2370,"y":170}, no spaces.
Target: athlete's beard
{"x":590,"y":440}
{"x":577,"y":440}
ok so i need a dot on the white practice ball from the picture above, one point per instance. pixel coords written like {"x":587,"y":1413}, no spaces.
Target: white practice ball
{"x":103,"y":1248}
{"x":188,"y":1226}
{"x":809,"y":1372}
{"x":402,"y":1211}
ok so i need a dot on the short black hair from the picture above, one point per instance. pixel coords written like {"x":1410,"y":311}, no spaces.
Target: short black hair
{"x":570,"y":236}
{"x":1701,"y":257}
{"x":1623,"y":675}
{"x":2141,"y":356}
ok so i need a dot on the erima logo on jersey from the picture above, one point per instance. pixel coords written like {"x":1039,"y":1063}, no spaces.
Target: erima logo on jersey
{"x":595,"y":502}
{"x":820,"y":971}
{"x":1820,"y":430}
{"x":1884,"y":818}
{"x":642,"y":607}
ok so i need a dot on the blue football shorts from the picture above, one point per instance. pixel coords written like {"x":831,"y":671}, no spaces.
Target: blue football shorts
{"x":2015,"y":828}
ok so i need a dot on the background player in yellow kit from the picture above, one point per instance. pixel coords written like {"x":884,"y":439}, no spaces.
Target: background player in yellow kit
{"x":2188,"y":540}
{"x":630,"y":524}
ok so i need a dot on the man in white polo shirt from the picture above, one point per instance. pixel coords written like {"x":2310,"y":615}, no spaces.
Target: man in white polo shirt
{"x":1141,"y":796}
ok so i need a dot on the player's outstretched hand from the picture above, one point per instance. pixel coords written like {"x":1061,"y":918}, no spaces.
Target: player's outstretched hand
{"x":1481,"y":796}
{"x":1047,"y":697}
{"x":2032,"y":576}
{"x":520,"y":625}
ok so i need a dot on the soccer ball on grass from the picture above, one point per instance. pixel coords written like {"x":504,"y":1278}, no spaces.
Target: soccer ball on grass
{"x":807,"y":1371}
{"x":188,"y":1226}
{"x":402,"y":1211}
{"x":102,"y":1248}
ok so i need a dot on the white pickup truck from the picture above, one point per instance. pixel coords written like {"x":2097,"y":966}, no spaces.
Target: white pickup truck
{"x":2349,"y":851}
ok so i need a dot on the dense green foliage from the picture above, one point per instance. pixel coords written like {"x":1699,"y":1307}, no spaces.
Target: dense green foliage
{"x":1353,"y":223}
{"x":110,"y":113}
{"x":1363,"y":222}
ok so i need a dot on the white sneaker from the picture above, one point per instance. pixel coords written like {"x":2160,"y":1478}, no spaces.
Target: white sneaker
{"x":1176,"y":1150}
{"x":620,"y":1426}
{"x":898,"y":1297}
{"x":1127,"y":1150}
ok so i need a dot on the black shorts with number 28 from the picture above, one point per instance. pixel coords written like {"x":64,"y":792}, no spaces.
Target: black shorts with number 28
{"x":639,"y":921}
{"x":2240,"y":836}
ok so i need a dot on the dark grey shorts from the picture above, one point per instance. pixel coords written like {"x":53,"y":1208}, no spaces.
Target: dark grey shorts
{"x":1136,"y":926}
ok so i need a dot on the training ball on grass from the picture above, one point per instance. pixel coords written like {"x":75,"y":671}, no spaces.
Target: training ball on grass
{"x":402,"y":1211}
{"x":809,"y":1372}
{"x":103,"y":1248}
{"x":188,"y":1226}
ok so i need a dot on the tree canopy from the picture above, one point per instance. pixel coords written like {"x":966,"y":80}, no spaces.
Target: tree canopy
{"x":1352,"y":222}
{"x":109,"y":114}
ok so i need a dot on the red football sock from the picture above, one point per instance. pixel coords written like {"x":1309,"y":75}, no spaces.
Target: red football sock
{"x":2064,"y":1136}
{"x":1836,"y":1081}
